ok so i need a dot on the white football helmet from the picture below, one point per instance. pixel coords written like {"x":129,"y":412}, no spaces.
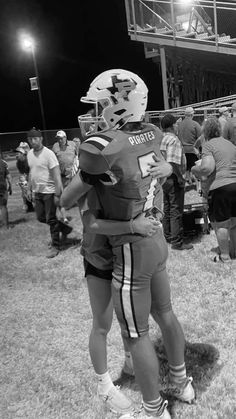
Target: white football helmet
{"x":118,"y":97}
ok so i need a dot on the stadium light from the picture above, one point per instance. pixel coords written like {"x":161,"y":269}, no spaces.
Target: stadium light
{"x":187,"y":1}
{"x":28,"y":44}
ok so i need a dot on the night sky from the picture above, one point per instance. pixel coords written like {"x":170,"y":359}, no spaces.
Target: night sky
{"x":77,"y":40}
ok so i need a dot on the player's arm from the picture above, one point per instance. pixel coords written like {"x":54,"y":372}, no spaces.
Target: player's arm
{"x":74,"y":191}
{"x":140,"y":225}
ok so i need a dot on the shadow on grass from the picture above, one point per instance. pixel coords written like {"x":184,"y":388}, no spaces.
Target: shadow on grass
{"x":70,"y":243}
{"x":18,"y":221}
{"x":201,"y":363}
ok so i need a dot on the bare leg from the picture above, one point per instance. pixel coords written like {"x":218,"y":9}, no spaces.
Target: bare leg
{"x":102,"y":309}
{"x":163,"y":314}
{"x":173,"y":336}
{"x":146,"y":366}
{"x":222,"y":234}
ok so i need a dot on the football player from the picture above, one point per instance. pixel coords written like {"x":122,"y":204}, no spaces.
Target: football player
{"x":116,"y":159}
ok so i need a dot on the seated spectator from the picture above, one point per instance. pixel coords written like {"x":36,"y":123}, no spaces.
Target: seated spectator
{"x":5,"y":188}
{"x":173,"y":188}
{"x":229,"y":131}
{"x":224,"y":116}
{"x":188,"y":132}
{"x":23,"y":169}
{"x":219,"y":162}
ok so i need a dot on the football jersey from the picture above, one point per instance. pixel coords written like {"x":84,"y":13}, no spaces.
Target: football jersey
{"x":116,"y":163}
{"x":95,"y":248}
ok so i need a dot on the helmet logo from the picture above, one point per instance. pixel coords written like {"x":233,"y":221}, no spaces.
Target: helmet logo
{"x":121,"y":88}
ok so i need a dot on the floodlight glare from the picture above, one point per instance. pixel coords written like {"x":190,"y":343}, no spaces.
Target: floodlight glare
{"x":27,"y":42}
{"x":185,"y":26}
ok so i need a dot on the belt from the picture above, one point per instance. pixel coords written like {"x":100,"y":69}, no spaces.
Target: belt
{"x":154,"y":212}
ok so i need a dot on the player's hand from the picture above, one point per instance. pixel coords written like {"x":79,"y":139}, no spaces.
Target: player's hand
{"x":146,"y":226}
{"x":159,"y":168}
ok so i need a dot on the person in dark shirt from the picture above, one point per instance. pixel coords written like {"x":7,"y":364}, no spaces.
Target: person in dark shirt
{"x":188,"y":132}
{"x":23,"y":169}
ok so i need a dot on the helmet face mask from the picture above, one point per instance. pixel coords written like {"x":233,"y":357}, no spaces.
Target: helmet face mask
{"x":118,"y":96}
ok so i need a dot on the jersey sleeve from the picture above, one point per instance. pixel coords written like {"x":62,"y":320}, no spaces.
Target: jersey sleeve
{"x":91,"y":158}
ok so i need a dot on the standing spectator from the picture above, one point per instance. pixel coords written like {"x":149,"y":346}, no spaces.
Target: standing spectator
{"x":45,"y":180}
{"x":67,"y":153}
{"x":188,"y":132}
{"x":173,"y":188}
{"x":219,"y":162}
{"x":5,"y":188}
{"x":23,"y":169}
{"x":224,"y":116}
{"x":229,"y":131}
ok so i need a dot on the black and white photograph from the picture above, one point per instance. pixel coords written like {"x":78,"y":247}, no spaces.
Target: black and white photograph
{"x":118,"y":209}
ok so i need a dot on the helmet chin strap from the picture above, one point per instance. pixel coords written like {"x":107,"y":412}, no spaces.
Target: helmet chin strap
{"x":118,"y":126}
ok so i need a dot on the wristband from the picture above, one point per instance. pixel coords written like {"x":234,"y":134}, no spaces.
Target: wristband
{"x":131,"y":226}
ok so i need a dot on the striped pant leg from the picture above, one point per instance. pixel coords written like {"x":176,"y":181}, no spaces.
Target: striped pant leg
{"x":134,"y":264}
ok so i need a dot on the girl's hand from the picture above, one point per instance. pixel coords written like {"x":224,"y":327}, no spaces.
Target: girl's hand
{"x":146,"y":226}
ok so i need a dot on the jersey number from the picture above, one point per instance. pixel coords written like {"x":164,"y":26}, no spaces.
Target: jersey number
{"x":144,"y":162}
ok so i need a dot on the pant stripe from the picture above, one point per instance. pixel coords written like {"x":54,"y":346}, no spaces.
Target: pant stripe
{"x":126,"y":291}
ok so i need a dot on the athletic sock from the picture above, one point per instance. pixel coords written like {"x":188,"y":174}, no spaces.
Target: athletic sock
{"x":104,"y":383}
{"x":129,"y":360}
{"x":177,"y":373}
{"x":153,"y":407}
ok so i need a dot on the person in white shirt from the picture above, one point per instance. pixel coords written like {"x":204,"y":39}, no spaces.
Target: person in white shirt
{"x":45,"y":181}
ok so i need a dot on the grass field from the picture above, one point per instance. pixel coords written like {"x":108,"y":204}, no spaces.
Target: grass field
{"x":45,"y":320}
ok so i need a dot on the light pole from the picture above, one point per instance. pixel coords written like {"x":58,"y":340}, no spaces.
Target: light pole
{"x":28,"y":44}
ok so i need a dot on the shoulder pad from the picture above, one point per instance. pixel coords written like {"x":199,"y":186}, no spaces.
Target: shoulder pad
{"x":91,"y":158}
{"x":99,"y":141}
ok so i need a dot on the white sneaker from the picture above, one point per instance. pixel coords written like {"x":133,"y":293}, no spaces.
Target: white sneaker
{"x":143,"y":415}
{"x":116,"y":401}
{"x":183,"y":391}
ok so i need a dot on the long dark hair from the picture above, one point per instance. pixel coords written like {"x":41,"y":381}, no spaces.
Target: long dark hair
{"x":211,"y":128}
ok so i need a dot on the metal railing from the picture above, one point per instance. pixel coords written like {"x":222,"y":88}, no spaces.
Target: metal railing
{"x":202,"y":110}
{"x":205,"y":22}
